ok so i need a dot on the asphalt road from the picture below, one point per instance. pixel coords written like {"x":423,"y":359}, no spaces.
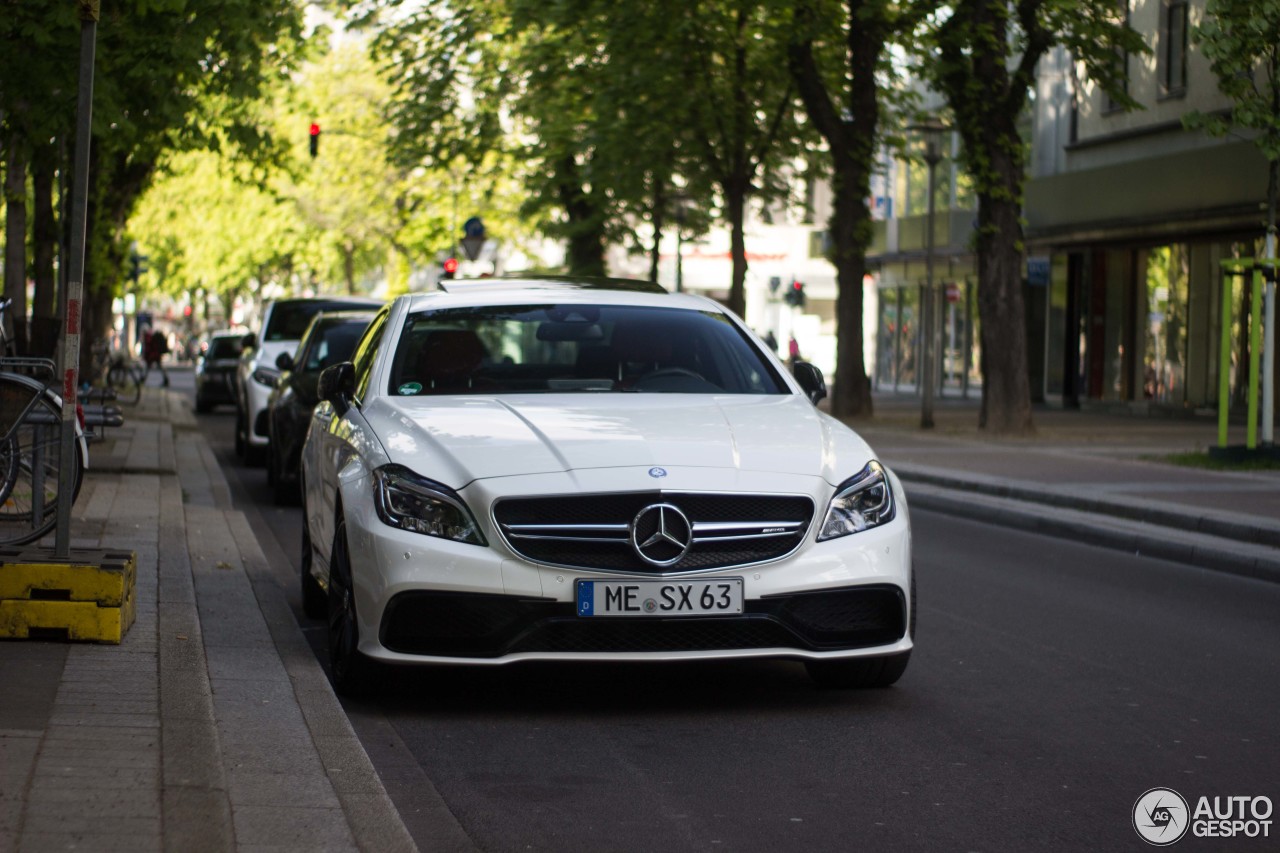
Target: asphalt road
{"x":1052,"y":685}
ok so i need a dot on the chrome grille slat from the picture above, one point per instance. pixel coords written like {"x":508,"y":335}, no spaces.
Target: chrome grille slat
{"x":585,"y":531}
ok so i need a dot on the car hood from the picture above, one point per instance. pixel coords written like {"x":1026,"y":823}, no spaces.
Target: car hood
{"x":457,"y":440}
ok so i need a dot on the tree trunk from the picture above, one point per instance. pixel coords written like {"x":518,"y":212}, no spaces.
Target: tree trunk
{"x":658,"y":217}
{"x":15,"y":246}
{"x":850,"y":130}
{"x":735,"y":197}
{"x":44,"y":312}
{"x":851,"y":389}
{"x":585,"y":254}
{"x":1006,"y":389}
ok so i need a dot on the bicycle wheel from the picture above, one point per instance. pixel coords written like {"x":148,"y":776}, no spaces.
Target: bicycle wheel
{"x":126,"y":381}
{"x":30,"y":462}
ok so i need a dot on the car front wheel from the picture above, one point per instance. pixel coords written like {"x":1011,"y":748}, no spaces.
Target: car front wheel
{"x":348,"y":669}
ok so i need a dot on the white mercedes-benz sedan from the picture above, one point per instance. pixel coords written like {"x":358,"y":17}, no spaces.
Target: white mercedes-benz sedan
{"x":555,"y":469}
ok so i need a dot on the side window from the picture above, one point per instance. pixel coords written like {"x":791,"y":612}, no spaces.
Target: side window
{"x":366,"y":350}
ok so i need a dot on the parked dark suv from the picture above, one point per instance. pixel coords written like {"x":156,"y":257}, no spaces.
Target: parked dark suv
{"x":330,"y":339}
{"x":216,"y":371}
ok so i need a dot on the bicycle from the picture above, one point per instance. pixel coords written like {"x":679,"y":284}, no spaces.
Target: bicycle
{"x":115,"y":371}
{"x":31,"y":445}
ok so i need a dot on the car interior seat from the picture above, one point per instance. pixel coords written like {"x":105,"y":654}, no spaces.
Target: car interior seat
{"x":449,"y":359}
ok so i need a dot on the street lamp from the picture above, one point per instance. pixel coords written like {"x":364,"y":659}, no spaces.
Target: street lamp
{"x":931,"y":131}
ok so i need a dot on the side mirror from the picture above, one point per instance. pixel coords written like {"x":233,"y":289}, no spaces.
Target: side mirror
{"x":811,"y":381}
{"x":337,"y":386}
{"x":249,"y":341}
{"x":284,"y":361}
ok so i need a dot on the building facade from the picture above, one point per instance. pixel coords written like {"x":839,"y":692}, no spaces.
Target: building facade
{"x":1133,"y":214}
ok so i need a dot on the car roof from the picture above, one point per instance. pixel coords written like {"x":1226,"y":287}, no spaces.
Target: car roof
{"x":354,"y":301}
{"x":344,"y":315}
{"x":537,"y":290}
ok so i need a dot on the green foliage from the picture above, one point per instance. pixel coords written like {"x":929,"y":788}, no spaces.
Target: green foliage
{"x":168,"y":75}
{"x":982,"y":55}
{"x":1240,"y":39}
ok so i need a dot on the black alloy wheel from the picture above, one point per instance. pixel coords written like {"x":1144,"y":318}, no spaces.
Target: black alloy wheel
{"x":348,"y":669}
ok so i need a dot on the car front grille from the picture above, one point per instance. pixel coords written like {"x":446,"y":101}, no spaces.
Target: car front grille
{"x":467,"y":625}
{"x":595,"y":531}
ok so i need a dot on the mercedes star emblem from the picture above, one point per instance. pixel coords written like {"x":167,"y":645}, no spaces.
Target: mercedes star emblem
{"x":661,"y":534}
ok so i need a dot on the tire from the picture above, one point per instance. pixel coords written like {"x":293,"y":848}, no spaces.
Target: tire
{"x":859,"y":672}
{"x":30,"y":465}
{"x":349,"y":670}
{"x":271,"y":466}
{"x":315,"y":601}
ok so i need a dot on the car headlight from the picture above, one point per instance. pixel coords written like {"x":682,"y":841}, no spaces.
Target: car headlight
{"x":410,"y":502}
{"x":266,"y":376}
{"x":862,"y":501}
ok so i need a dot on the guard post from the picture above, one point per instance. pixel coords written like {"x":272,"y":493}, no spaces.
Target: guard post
{"x":1232,"y":269}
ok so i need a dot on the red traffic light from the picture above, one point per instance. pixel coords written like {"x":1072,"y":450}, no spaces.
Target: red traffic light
{"x":451,"y":265}
{"x":315,"y":129}
{"x":795,"y":285}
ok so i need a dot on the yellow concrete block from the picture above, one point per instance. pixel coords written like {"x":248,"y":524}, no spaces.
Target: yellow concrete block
{"x":98,"y":576}
{"x":89,"y":597}
{"x":74,"y":620}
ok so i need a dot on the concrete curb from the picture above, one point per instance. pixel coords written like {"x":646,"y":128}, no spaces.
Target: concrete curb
{"x":1253,"y":530}
{"x":1193,"y":548}
{"x":370,"y":815}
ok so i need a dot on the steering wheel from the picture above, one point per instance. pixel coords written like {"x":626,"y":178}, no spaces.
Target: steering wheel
{"x":667,"y":372}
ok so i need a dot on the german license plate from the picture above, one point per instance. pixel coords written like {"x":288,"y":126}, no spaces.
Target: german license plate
{"x":660,"y":598}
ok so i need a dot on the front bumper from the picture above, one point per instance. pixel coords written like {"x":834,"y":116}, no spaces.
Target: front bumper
{"x":421,"y":599}
{"x":468,"y":625}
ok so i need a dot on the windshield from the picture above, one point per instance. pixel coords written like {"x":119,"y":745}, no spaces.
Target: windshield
{"x":332,"y":342}
{"x":220,"y":348}
{"x":289,"y":320}
{"x":577,"y":348}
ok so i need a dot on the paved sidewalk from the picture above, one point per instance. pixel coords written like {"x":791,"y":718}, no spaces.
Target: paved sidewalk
{"x":1091,"y":476}
{"x":212,"y":726}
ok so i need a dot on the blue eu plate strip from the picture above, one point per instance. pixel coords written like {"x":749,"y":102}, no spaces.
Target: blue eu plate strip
{"x":585,"y":598}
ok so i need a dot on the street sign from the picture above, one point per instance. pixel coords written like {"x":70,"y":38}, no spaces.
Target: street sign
{"x":471,"y":246}
{"x":473,"y":227}
{"x":953,"y":292}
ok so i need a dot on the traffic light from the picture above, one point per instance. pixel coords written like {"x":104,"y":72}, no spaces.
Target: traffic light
{"x":137,"y":266}
{"x":315,"y":139}
{"x":795,"y":296}
{"x":450,"y":267}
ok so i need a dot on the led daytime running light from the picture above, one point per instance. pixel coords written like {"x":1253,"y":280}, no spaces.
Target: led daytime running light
{"x":862,"y":502}
{"x":409,"y":502}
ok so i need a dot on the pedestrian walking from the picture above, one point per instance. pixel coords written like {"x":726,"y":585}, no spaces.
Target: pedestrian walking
{"x":772,"y":341}
{"x":793,"y":351}
{"x":156,"y":347}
